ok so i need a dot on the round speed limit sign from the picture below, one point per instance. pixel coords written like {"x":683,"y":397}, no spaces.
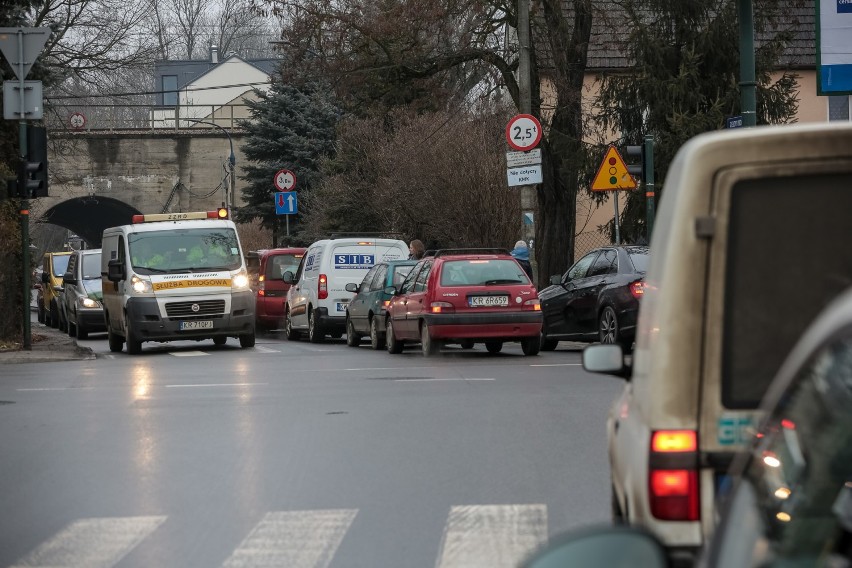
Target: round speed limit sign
{"x":284,"y":180}
{"x":523,"y":132}
{"x":77,"y":120}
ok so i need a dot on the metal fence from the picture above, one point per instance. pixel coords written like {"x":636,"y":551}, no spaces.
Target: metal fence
{"x":129,"y":116}
{"x":584,"y":242}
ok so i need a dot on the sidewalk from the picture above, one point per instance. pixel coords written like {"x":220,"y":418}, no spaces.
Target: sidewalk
{"x":48,"y":345}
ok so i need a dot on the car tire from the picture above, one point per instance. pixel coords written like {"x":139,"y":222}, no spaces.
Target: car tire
{"x":377,"y":337}
{"x":315,"y":333}
{"x":71,"y":328}
{"x":608,"y":326}
{"x":63,"y":324}
{"x":430,"y":346}
{"x":548,"y":344}
{"x":467,"y":343}
{"x":247,"y":340}
{"x":494,"y":346}
{"x":134,"y":344}
{"x":393,"y":344}
{"x":40,"y":312}
{"x":290,"y":333}
{"x":531,"y":345}
{"x":116,"y":342}
{"x":220,"y":340}
{"x":80,"y":330}
{"x":352,"y":338}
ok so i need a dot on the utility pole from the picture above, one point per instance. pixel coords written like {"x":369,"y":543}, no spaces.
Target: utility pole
{"x":528,"y":193}
{"x":748,"y":99}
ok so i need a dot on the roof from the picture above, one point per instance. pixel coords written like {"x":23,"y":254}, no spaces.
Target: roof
{"x":610,"y":34}
{"x":188,"y":71}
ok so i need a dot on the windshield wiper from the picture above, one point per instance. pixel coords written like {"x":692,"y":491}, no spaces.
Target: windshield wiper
{"x":503,"y":281}
{"x":151,"y":268}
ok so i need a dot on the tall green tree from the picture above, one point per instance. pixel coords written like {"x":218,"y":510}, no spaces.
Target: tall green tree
{"x":290,"y":128}
{"x":684,"y":78}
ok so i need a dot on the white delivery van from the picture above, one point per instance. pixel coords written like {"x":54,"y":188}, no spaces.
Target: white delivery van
{"x":750,"y":244}
{"x":317,"y":299}
{"x":175,"y":276}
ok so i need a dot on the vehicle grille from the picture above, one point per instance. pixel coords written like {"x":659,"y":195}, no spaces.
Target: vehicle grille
{"x":206,"y":308}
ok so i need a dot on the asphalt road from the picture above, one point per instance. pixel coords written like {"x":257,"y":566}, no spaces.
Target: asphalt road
{"x":300,"y":455}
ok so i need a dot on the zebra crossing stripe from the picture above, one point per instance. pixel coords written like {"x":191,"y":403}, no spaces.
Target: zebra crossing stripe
{"x":94,"y":543}
{"x":296,"y":539}
{"x":492,"y":536}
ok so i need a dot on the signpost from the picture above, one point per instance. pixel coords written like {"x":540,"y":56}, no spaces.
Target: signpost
{"x":523,"y":133}
{"x":21,"y":47}
{"x":286,"y":202}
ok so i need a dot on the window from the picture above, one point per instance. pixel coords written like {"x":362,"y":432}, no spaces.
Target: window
{"x":400,"y":272}
{"x":838,"y":108}
{"x":581,"y":266}
{"x":368,"y":279}
{"x":170,"y":95}
{"x":408,"y":284}
{"x":381,"y":278}
{"x":639,"y":258}
{"x":420,"y":284}
{"x":281,"y":263}
{"x":60,"y":264}
{"x":482,"y":273}
{"x":91,"y":267}
{"x":607,"y":263}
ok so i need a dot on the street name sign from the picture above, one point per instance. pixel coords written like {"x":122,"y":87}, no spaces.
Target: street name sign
{"x":518,"y":159}
{"x":612,"y":174}
{"x":286,"y":203}
{"x":526,"y":175}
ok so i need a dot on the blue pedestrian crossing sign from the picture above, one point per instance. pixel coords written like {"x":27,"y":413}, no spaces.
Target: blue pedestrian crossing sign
{"x":286,"y":203}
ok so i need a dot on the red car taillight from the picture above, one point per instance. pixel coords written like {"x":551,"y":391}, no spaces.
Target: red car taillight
{"x":441,"y":307}
{"x":322,"y":287}
{"x":673,"y":475}
{"x":637,"y":289}
{"x":534,"y":304}
{"x":260,"y":286}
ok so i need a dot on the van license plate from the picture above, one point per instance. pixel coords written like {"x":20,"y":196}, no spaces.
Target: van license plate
{"x":341,"y":306}
{"x":190,"y":325}
{"x":481,"y":301}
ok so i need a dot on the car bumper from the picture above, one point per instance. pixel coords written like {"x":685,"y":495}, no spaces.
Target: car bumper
{"x":484,"y":326}
{"x":329,"y":324}
{"x":270,"y":311}
{"x":143,"y":315}
{"x":91,"y":320}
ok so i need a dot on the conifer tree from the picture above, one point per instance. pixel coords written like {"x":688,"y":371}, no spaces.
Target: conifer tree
{"x":684,"y":78}
{"x":290,"y":129}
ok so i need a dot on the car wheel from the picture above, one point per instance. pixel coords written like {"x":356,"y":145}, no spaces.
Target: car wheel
{"x":548,"y":344}
{"x":394,"y":345}
{"x":290,"y":333}
{"x":40,"y":312}
{"x":467,"y":343}
{"x":430,"y":346}
{"x":494,"y":346}
{"x":63,"y":325}
{"x":71,"y":328}
{"x":315,"y":333}
{"x":116,"y":342}
{"x":80,"y":331}
{"x":247,"y":340}
{"x":531,"y":345}
{"x":608,"y":328}
{"x":377,"y":337}
{"x":352,"y":338}
{"x":134,"y":344}
{"x":220,"y":340}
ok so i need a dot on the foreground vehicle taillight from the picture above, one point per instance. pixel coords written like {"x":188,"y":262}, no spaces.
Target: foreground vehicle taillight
{"x":322,"y":287}
{"x":637,"y":289}
{"x":673,"y":475}
{"x":261,"y":286}
{"x":441,"y":307}
{"x":534,"y":304}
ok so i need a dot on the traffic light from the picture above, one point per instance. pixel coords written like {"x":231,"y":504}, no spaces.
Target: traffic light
{"x":222,"y":212}
{"x":635,"y":158}
{"x":32,"y":179}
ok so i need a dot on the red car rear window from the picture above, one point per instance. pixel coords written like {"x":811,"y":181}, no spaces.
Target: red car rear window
{"x":281,"y":263}
{"x":482,"y":272}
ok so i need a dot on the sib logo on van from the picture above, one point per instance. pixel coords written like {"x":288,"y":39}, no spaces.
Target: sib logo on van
{"x":354,"y":261}
{"x":309,"y":263}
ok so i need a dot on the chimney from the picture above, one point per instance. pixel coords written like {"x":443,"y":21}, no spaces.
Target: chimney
{"x":214,"y":54}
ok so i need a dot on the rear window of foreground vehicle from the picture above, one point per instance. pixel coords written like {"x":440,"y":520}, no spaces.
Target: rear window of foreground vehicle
{"x":639,"y":258}
{"x":482,"y":273}
{"x":399,"y":274}
{"x":281,"y":263}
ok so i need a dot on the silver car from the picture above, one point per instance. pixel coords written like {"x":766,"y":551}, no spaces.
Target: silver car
{"x":82,"y":296}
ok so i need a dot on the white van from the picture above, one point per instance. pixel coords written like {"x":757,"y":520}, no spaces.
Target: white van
{"x":317,"y":299}
{"x":750,"y":244}
{"x":175,"y":276}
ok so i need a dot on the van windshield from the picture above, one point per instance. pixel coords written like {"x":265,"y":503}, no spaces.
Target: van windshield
{"x":184,"y":250}
{"x":60,"y":264}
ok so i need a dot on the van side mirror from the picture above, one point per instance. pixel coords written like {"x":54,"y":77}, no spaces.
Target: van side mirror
{"x":607,"y":359}
{"x":115,"y":270}
{"x":556,"y":280}
{"x":68,"y":278}
{"x":351,"y":287}
{"x":390,"y":290}
{"x":288,"y":277}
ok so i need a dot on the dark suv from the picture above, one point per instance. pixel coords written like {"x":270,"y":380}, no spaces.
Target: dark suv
{"x":465,"y":296}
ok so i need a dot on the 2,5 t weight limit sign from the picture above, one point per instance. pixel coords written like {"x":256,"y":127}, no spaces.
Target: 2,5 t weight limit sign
{"x":284,"y":180}
{"x":523,"y":132}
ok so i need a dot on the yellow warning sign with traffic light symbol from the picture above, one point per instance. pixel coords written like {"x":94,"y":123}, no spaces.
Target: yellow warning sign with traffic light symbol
{"x":613,"y":174}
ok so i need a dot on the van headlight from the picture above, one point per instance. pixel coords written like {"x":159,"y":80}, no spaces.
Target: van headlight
{"x":141,"y":285}
{"x":240,"y":281}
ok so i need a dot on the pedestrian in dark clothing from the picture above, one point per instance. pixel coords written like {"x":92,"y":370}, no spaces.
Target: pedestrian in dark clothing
{"x":416,"y":249}
{"x":521,"y":253}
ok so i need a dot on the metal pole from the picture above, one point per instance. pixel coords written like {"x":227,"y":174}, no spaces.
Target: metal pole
{"x":232,"y":160}
{"x":25,"y":202}
{"x":528,"y":196}
{"x":650,"y":192}
{"x":287,"y":218}
{"x":748,"y":100}
{"x":617,"y":231}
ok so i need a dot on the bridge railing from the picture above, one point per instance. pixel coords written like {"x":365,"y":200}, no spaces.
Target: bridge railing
{"x":115,"y":117}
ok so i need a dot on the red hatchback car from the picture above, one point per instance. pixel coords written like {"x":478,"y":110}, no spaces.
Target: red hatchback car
{"x":270,"y":292}
{"x":465,"y":296}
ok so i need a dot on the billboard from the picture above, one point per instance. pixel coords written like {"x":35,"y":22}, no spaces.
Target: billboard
{"x":834,"y":47}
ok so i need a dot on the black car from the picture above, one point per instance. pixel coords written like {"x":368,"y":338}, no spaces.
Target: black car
{"x":597,"y":299}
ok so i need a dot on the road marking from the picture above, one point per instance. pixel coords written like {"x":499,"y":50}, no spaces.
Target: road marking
{"x":94,"y":543}
{"x":433,"y":379}
{"x":216,"y":385}
{"x":380,"y":368}
{"x":265,"y":349}
{"x":188,"y":353}
{"x":296,"y":539}
{"x":558,"y":365}
{"x":54,"y":389}
{"x":492,"y":536}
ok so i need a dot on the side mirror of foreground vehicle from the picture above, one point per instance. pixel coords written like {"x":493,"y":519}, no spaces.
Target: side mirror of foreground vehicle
{"x":115,"y":270}
{"x":607,"y":359}
{"x":351,"y":287}
{"x":599,"y":547}
{"x":288,"y":277}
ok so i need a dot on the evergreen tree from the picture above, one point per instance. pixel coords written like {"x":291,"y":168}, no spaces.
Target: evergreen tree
{"x":684,"y":78}
{"x":290,"y":129}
